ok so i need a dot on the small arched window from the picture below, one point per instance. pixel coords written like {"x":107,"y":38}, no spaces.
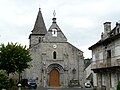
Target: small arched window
{"x":54,"y":32}
{"x":117,"y":30}
{"x":54,"y":55}
{"x":39,"y":39}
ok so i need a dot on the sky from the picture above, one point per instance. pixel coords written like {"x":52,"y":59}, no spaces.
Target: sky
{"x":81,"y":21}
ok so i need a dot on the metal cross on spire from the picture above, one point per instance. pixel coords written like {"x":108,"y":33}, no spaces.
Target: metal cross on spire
{"x":54,"y":13}
{"x":39,"y":9}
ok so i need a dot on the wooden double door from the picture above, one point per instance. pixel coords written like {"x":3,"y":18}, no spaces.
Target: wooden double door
{"x":54,"y":78}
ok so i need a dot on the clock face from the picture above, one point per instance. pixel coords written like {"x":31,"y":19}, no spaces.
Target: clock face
{"x":54,"y":46}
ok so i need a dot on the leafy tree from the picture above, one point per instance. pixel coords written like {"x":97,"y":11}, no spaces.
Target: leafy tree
{"x":3,"y":79}
{"x":118,"y":86}
{"x":14,"y":58}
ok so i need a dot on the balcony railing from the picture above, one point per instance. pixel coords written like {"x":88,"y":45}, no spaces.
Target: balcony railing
{"x":105,"y":63}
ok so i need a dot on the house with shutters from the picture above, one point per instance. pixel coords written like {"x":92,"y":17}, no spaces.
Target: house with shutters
{"x":106,"y":58}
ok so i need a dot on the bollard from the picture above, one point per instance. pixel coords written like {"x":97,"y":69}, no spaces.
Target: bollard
{"x":19,"y":86}
{"x":3,"y":89}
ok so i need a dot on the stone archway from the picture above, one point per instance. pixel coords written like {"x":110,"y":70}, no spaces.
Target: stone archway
{"x":54,"y":78}
{"x":55,"y":75}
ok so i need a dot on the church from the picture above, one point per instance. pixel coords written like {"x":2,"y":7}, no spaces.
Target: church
{"x":55,"y":62}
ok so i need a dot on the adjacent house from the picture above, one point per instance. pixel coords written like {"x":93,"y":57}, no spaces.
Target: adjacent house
{"x":87,"y":71}
{"x":106,"y":58}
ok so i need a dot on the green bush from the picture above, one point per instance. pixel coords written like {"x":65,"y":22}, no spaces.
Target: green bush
{"x":118,"y":86}
{"x":3,"y":79}
{"x":95,"y":88}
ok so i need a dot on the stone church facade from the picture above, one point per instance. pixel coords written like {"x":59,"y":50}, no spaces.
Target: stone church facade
{"x":56,"y":62}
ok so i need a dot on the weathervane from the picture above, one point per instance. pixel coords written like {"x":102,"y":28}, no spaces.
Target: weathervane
{"x":39,"y":7}
{"x":54,"y":13}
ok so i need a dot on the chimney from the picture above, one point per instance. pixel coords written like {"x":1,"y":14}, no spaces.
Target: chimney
{"x":107,"y":27}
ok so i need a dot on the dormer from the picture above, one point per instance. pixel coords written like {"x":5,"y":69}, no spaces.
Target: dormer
{"x":117,"y":28}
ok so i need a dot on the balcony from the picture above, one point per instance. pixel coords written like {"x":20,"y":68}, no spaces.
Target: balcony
{"x":103,"y":65}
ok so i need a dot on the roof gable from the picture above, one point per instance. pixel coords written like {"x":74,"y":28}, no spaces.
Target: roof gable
{"x":54,"y":29}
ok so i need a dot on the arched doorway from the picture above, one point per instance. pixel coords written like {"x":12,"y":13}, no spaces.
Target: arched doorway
{"x":54,"y":78}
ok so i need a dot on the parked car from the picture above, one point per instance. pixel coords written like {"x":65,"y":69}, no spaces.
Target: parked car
{"x":32,"y":83}
{"x":22,"y":83}
{"x":87,"y":85}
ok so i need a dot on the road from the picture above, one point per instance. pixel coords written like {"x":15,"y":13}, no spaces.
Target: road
{"x":63,"y":89}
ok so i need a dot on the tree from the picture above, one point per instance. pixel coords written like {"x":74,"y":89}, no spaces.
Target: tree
{"x":3,"y":79}
{"x":14,"y":58}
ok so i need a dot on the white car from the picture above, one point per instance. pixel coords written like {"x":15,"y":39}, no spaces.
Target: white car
{"x":87,"y":85}
{"x":32,"y":83}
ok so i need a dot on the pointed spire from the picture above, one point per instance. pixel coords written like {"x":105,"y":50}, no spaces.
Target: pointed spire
{"x":54,"y":19}
{"x":39,"y":27}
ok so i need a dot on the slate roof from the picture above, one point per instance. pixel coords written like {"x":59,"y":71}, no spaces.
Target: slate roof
{"x":113,"y":35}
{"x":39,"y":27}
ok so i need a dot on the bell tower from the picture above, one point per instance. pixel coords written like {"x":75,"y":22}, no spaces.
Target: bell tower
{"x":54,"y":33}
{"x":38,"y":31}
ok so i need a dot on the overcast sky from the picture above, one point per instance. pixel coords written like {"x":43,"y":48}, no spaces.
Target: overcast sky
{"x":80,"y":20}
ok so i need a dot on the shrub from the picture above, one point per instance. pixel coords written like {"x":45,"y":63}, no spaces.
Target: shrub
{"x":95,"y":88}
{"x":118,"y":86}
{"x":3,"y":79}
